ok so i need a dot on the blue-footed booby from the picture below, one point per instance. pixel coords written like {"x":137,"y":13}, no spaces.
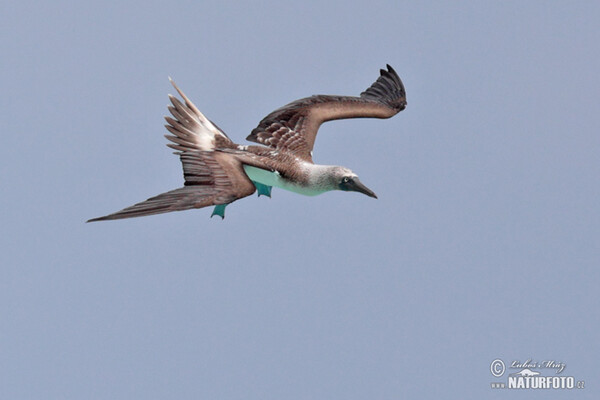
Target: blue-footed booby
{"x":218,"y":171}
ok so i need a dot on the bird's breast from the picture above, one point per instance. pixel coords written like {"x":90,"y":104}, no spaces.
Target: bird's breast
{"x":274,"y":178}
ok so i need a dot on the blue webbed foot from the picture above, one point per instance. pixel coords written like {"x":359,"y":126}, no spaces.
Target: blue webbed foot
{"x":262,"y":189}
{"x":219,"y":210}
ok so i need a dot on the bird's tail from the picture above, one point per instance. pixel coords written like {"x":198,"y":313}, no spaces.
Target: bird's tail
{"x":175,"y":200}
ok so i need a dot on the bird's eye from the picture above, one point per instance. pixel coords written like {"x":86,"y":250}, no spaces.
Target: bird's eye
{"x":345,"y":180}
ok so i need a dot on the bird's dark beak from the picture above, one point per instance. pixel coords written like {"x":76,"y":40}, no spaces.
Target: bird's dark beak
{"x":357,"y":186}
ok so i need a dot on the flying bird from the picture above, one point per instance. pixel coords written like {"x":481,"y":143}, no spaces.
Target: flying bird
{"x":218,"y":171}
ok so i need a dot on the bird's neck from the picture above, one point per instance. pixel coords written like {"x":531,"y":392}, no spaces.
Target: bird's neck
{"x":319,"y":176}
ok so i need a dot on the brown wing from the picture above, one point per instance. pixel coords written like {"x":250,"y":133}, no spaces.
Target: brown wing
{"x":211,"y":178}
{"x":190,"y":129}
{"x":176,"y":200}
{"x":294,"y":127}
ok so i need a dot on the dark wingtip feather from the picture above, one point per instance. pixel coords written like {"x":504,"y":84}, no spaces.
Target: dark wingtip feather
{"x":104,"y":218}
{"x":174,"y":200}
{"x":387,"y":89}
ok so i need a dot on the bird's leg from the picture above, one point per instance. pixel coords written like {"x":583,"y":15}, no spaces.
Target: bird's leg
{"x":219,"y":210}
{"x":262,"y":189}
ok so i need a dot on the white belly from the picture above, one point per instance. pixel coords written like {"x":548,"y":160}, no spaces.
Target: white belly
{"x":274,"y":179}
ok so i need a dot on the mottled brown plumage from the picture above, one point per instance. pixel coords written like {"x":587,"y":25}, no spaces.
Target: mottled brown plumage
{"x":217,"y":171}
{"x":294,"y":126}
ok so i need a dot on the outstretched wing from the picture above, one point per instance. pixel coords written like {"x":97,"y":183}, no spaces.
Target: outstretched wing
{"x":176,"y":200}
{"x":211,"y":177}
{"x":294,"y":127}
{"x":191,"y":130}
{"x":198,"y":141}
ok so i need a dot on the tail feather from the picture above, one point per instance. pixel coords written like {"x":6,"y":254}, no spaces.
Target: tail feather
{"x":175,"y":200}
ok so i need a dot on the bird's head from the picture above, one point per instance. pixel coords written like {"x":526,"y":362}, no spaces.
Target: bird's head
{"x":346,"y":180}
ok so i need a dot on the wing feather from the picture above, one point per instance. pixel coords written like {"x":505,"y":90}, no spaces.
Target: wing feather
{"x":175,"y":200}
{"x":191,"y":130}
{"x":294,"y":127}
{"x":211,"y":178}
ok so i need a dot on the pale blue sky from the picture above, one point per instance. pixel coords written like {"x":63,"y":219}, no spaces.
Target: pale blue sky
{"x":483,"y":243}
